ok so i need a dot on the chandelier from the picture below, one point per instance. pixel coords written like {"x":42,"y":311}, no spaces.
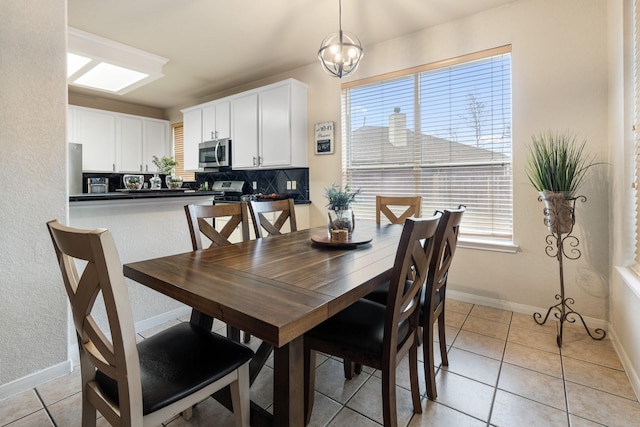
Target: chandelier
{"x":341,"y":52}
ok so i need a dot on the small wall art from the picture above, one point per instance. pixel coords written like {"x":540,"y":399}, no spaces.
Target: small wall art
{"x":324,"y":138}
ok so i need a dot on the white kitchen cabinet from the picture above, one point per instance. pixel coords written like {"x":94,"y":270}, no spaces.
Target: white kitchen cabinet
{"x":156,"y":142}
{"x":244,"y":131}
{"x":192,"y":122}
{"x":115,"y":142}
{"x":278,"y":138}
{"x":96,"y":131}
{"x":216,"y":121}
{"x":129,"y":131}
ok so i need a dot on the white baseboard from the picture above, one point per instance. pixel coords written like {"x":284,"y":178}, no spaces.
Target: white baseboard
{"x":37,"y":378}
{"x":518,"y":308}
{"x":626,"y":362}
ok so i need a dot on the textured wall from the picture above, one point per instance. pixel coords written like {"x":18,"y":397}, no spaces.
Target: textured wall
{"x":33,"y":97}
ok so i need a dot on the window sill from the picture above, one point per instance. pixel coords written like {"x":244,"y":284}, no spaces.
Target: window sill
{"x":495,"y":245}
{"x":631,"y":279}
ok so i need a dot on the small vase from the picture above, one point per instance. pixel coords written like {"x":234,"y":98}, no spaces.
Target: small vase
{"x":155,"y":183}
{"x":173,"y":182}
{"x":340,"y":219}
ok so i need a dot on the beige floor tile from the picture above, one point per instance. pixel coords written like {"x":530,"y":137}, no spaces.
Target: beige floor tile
{"x":450,"y":334}
{"x":60,"y":388}
{"x":330,"y":381}
{"x":474,"y":366}
{"x":437,"y":359}
{"x":598,"y":377}
{"x":261,"y":391}
{"x":324,"y":409}
{"x":18,"y":406}
{"x":526,"y":321}
{"x":532,"y":358}
{"x":368,"y":401}
{"x":602,"y":407}
{"x":531,"y":338}
{"x":533,"y":385}
{"x":458,"y":306}
{"x":435,"y":415}
{"x":37,"y":419}
{"x":454,"y":319}
{"x":598,"y":352}
{"x":575,"y":332}
{"x":351,"y":418}
{"x":581,"y":422}
{"x":491,"y":313}
{"x":480,"y":344}
{"x":68,"y":412}
{"x":486,"y":327}
{"x":512,"y":410}
{"x":204,"y":413}
{"x":403,"y":378}
{"x":465,"y":395}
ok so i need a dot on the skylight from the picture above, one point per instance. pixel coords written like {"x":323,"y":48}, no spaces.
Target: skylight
{"x":102,"y":64}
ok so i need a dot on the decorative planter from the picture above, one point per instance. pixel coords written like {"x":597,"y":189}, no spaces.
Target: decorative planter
{"x":173,"y":182}
{"x":340,"y":219}
{"x":155,"y":183}
{"x":133,"y":182}
{"x":559,"y":214}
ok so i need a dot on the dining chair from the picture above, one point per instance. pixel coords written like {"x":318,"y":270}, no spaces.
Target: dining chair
{"x":413,"y":206}
{"x":378,"y":335}
{"x":141,"y":384}
{"x":433,"y":297}
{"x":285,"y":210}
{"x":201,"y":221}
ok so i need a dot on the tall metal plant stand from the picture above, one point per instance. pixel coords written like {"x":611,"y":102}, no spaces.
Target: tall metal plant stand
{"x":559,"y":217}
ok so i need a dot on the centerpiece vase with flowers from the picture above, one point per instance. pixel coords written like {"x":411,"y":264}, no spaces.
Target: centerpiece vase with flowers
{"x":340,"y":216}
{"x":166,"y":166}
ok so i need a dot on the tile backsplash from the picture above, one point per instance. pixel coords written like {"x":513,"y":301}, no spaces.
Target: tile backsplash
{"x":293,"y":182}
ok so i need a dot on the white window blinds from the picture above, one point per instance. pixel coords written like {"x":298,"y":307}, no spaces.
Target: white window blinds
{"x":442,"y":131}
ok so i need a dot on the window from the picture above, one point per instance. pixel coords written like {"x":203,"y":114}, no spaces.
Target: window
{"x":178,"y":152}
{"x":442,"y":131}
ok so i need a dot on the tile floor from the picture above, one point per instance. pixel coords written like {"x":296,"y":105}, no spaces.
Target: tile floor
{"x":504,"y":370}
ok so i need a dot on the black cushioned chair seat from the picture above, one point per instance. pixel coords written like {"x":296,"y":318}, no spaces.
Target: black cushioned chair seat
{"x":359,"y":327}
{"x":179,"y":361}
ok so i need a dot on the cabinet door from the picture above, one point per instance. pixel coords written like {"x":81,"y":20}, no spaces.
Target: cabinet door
{"x":209,"y":123}
{"x":223,"y":120}
{"x":275,"y":127}
{"x":156,"y":143}
{"x":192,"y":137}
{"x":96,"y":131}
{"x":244,"y":138}
{"x":128,"y":144}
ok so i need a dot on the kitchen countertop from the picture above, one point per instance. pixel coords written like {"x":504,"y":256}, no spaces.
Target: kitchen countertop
{"x":140,"y":194}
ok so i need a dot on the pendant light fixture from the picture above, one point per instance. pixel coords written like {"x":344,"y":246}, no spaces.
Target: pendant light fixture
{"x":341,"y":52}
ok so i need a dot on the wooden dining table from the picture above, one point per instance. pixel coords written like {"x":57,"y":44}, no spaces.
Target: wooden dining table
{"x":276,"y":289}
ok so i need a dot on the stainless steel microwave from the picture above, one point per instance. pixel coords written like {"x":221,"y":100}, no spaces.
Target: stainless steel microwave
{"x":215,"y":154}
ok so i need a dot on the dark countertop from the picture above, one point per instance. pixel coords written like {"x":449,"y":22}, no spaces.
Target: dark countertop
{"x":140,"y":194}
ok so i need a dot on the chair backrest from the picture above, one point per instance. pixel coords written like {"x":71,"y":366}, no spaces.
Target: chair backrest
{"x":413,"y":205}
{"x":446,"y":241}
{"x":199,"y":217}
{"x":286,"y":211}
{"x":409,"y":274}
{"x":116,"y":357}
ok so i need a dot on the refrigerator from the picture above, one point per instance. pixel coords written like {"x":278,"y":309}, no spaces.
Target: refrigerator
{"x":75,"y":168}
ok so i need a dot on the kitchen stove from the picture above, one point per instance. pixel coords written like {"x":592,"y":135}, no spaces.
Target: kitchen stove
{"x":232,"y":191}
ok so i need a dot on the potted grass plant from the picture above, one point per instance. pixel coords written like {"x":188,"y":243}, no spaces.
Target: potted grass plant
{"x":340,"y":215}
{"x":557,"y":166}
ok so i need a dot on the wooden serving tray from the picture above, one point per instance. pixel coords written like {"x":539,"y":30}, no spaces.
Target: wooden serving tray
{"x":351,"y":242}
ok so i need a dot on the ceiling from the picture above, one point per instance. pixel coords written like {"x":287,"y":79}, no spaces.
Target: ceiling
{"x":213,"y":45}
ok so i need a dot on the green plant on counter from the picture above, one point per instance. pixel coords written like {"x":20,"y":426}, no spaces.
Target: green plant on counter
{"x":339,"y":198}
{"x":165,"y":165}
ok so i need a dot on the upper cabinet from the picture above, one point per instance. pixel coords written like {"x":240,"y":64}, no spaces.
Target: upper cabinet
{"x":115,"y":142}
{"x":216,"y":121}
{"x":267,"y":126}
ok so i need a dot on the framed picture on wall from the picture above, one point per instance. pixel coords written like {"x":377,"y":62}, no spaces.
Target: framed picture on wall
{"x":324,"y":138}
